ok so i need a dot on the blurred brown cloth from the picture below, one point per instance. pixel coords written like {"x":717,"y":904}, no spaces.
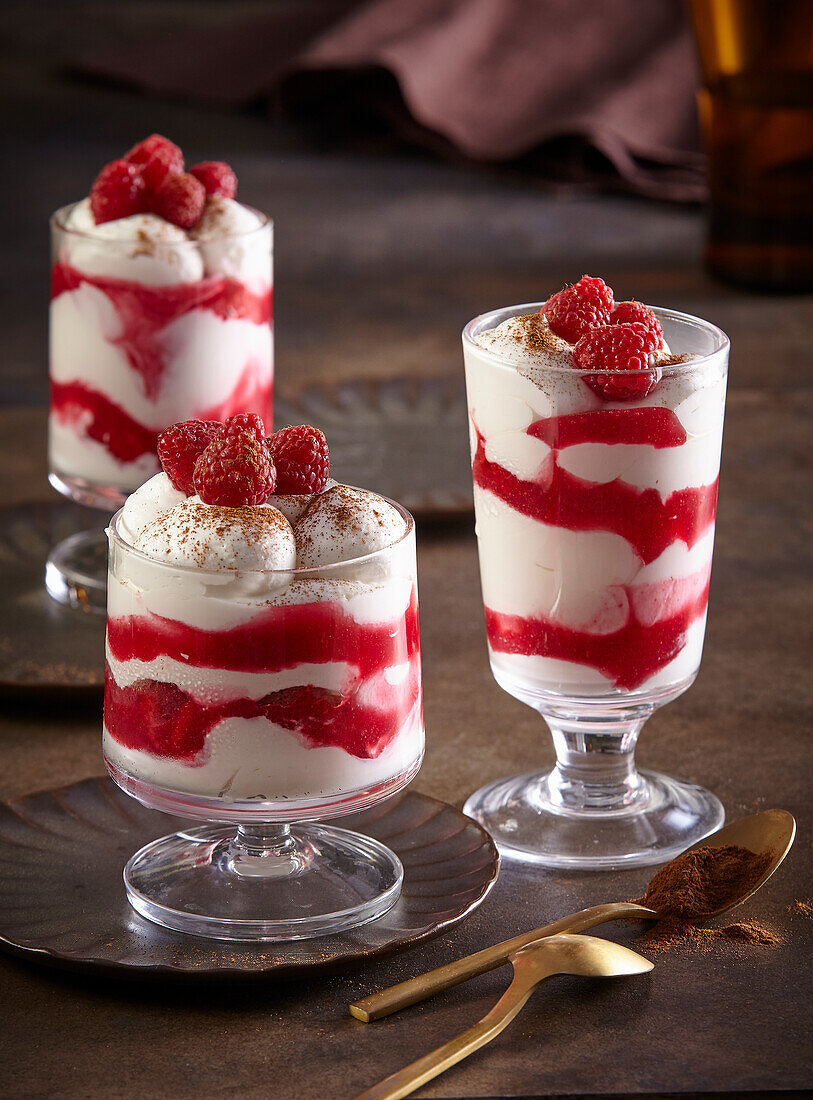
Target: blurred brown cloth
{"x":598,"y":91}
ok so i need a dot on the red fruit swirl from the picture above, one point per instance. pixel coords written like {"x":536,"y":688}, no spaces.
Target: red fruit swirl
{"x":165,"y":720}
{"x":558,"y":498}
{"x":659,"y":615}
{"x":628,"y":656}
{"x":146,"y":311}
{"x":106,"y":422}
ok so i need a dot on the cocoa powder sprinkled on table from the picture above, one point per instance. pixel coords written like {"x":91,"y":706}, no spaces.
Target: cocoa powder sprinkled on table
{"x":748,"y":931}
{"x":801,"y":909}
{"x":696,"y":885}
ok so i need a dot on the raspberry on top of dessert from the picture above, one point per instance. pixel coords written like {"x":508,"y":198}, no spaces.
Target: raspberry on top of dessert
{"x":151,"y":179}
{"x":229,"y":482}
{"x":148,"y":198}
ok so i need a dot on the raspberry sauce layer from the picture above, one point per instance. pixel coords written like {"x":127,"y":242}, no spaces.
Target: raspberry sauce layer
{"x":144,"y":312}
{"x":660,"y":612}
{"x":96,"y":417}
{"x":164,"y":720}
{"x":649,"y":522}
{"x":628,"y":656}
{"x":280,"y":637}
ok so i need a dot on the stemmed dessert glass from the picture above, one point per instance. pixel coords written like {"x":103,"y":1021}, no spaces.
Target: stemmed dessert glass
{"x":262,"y":703}
{"x":128,"y":358}
{"x":595,"y":521}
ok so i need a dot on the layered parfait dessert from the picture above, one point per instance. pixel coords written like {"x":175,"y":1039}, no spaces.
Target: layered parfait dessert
{"x":263,"y":655}
{"x":595,"y":455}
{"x":160,"y":311}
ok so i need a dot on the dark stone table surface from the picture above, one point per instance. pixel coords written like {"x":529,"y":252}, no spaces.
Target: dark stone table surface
{"x":379,"y":263}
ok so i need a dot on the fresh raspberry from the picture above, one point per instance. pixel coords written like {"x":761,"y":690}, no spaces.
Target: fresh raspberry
{"x":570,"y":316}
{"x":246,"y":422}
{"x":179,"y":447}
{"x":155,"y":143}
{"x":627,"y":312}
{"x":574,"y":310}
{"x":162,"y":717}
{"x":217,"y":177}
{"x":302,"y":459}
{"x":625,"y":347}
{"x":161,"y":164}
{"x":180,"y":200}
{"x":595,"y":290}
{"x":117,"y":192}
{"x":235,"y":471}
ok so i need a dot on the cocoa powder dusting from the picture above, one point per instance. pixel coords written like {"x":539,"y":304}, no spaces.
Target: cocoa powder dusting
{"x":697,"y":884}
{"x":190,"y":526}
{"x":144,"y":245}
{"x":536,"y":334}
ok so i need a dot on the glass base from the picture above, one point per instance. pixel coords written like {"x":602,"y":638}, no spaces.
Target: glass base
{"x":527,"y":821}
{"x":76,"y":571}
{"x":261,"y":884}
{"x":93,"y":494}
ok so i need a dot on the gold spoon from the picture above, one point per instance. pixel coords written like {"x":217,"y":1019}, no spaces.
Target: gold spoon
{"x":584,"y":955}
{"x":773,"y":830}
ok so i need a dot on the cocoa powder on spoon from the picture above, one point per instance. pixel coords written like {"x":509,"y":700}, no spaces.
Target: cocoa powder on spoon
{"x":697,"y":884}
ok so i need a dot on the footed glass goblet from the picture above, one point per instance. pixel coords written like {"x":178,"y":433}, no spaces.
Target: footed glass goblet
{"x":595,"y":524}
{"x":259,"y":703}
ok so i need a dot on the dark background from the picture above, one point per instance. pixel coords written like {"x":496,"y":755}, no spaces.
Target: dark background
{"x":388,"y":238}
{"x":387,"y":242}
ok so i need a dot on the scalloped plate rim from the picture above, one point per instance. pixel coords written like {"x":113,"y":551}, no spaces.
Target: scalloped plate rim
{"x":284,"y":971}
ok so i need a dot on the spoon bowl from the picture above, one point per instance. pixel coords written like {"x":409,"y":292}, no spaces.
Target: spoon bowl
{"x":587,"y":956}
{"x":771,"y":830}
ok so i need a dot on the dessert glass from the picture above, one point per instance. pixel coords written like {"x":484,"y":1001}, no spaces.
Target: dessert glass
{"x":595,"y":523}
{"x":262,"y":702}
{"x":130,"y":355}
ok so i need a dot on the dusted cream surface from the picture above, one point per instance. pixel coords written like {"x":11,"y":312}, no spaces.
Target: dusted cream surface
{"x":345,"y":523}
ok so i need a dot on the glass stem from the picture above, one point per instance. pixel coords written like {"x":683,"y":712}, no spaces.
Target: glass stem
{"x":266,"y":851}
{"x":595,"y":762}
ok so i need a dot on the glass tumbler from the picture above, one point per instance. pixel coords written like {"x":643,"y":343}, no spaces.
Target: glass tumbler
{"x":144,"y":334}
{"x":595,"y":524}
{"x":261,"y":702}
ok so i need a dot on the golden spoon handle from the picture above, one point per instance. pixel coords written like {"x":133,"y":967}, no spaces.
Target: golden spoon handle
{"x":411,"y":1077}
{"x":417,"y":989}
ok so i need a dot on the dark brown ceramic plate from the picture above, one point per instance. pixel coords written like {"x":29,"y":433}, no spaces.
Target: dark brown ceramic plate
{"x":62,"y":897}
{"x":403,"y":437}
{"x":43,"y":644}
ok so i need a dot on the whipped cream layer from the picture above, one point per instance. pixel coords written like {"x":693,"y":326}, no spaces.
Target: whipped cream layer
{"x":345,"y":523}
{"x":595,"y":519}
{"x":150,"y":325}
{"x":259,"y":684}
{"x":230,"y":240}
